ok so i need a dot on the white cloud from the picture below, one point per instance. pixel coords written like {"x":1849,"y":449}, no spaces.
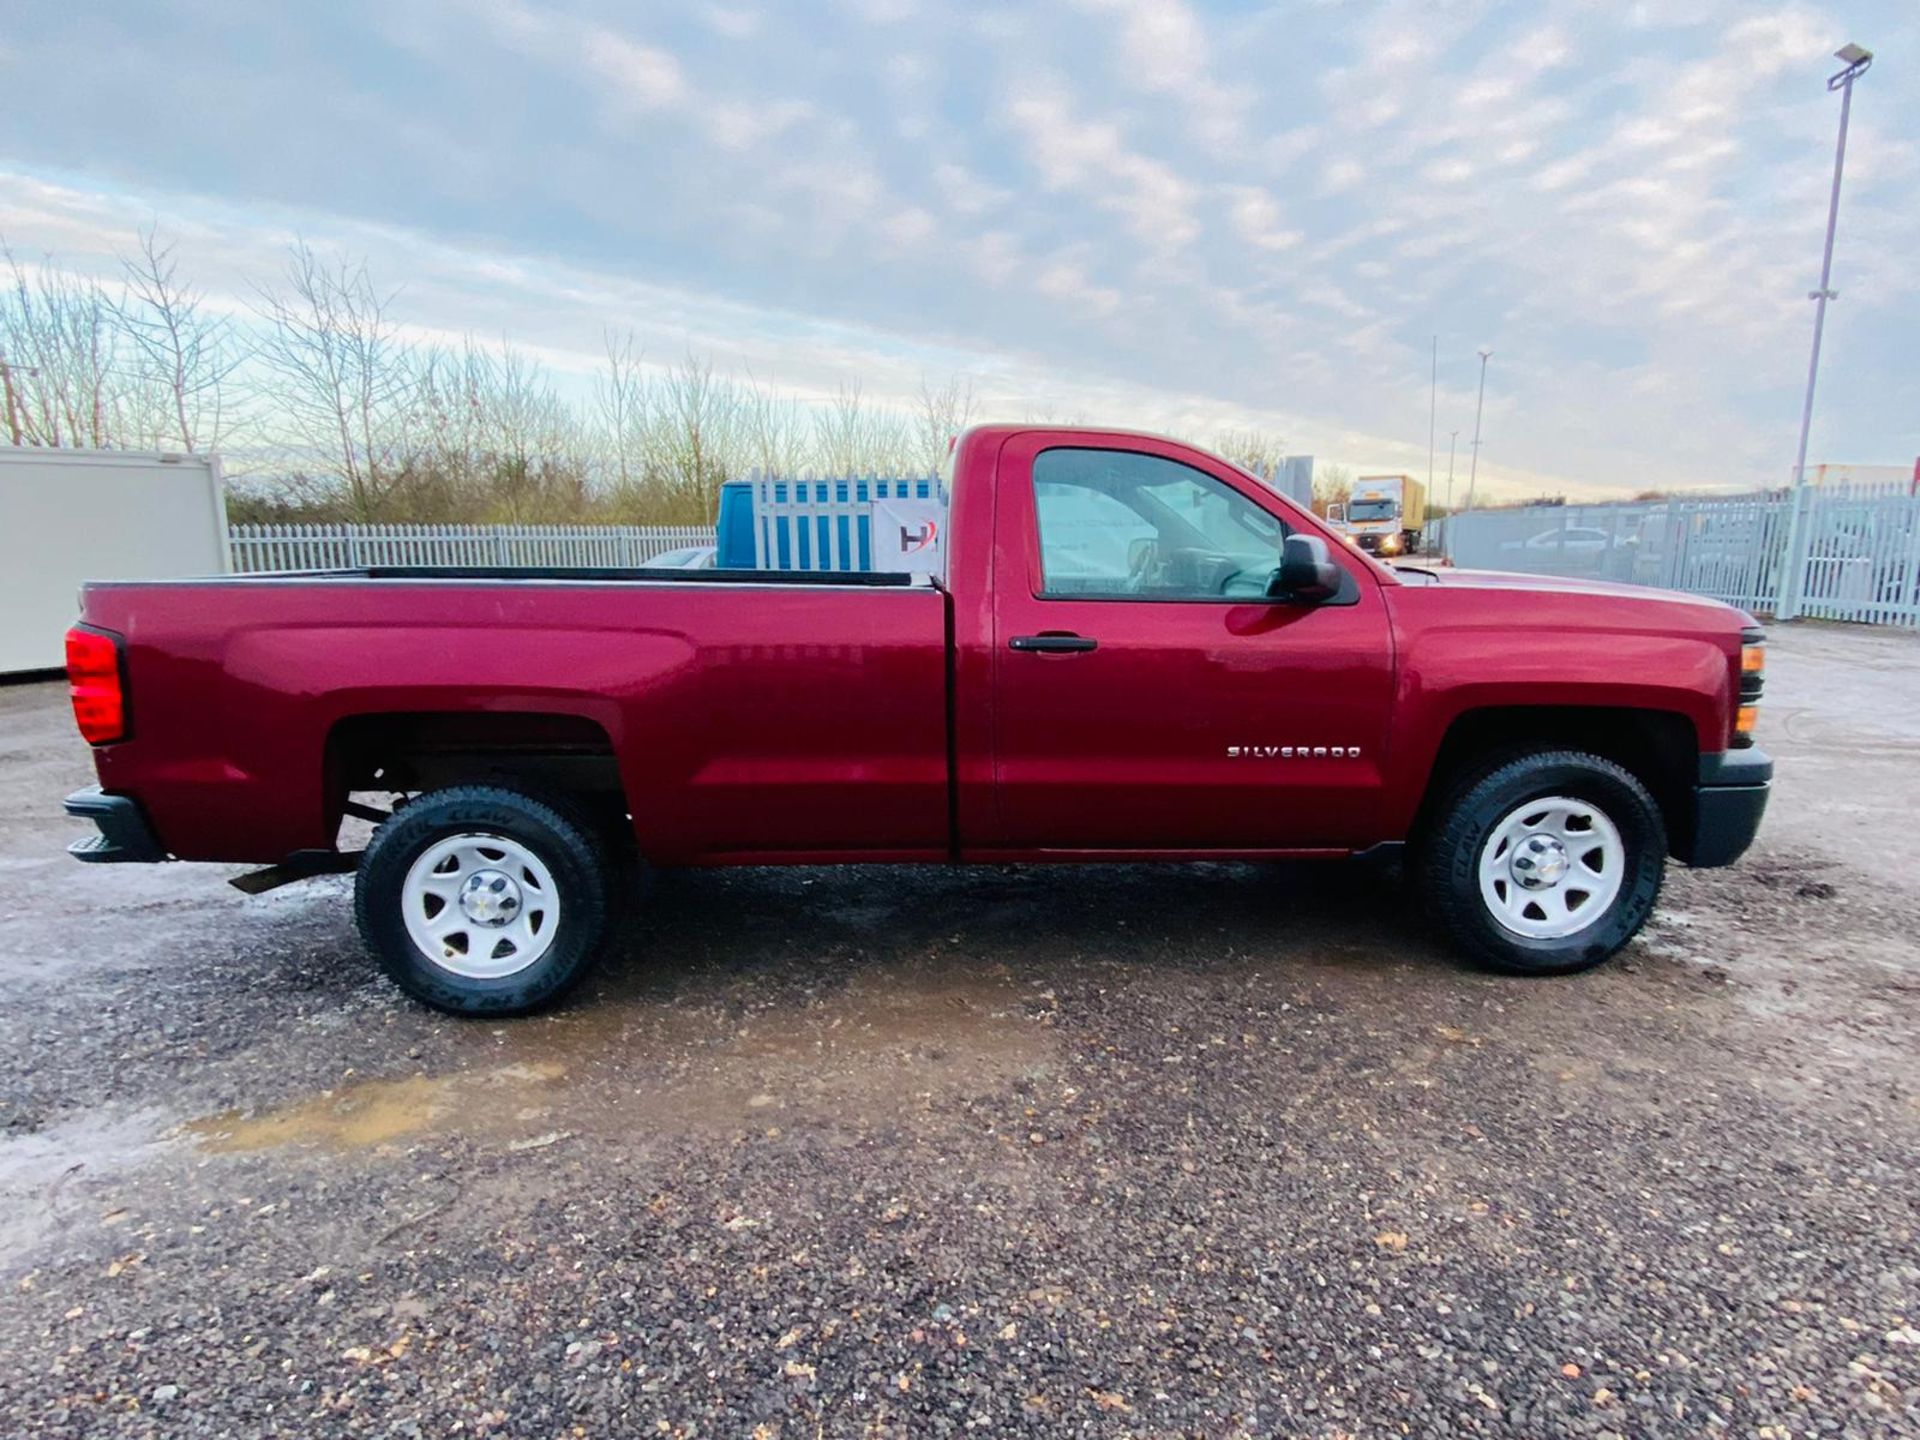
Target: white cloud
{"x":993,"y":258}
{"x":640,"y":77}
{"x":965,"y":192}
{"x":908,"y":229}
{"x":736,"y":22}
{"x":1257,"y":217}
{"x":1163,"y":49}
{"x":881,"y":12}
{"x":1066,"y":280}
{"x":1451,"y":171}
{"x":1092,"y":156}
{"x":1341,"y":175}
{"x":736,"y":126}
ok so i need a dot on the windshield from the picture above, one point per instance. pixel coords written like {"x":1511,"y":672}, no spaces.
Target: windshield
{"x":1371,"y":510}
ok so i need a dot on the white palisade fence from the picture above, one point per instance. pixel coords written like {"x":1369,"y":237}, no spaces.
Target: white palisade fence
{"x":1856,"y":548}
{"x":336,"y":547}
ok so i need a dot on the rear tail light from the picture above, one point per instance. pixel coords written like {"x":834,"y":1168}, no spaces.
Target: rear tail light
{"x":94,"y":681}
{"x":1753,"y":669}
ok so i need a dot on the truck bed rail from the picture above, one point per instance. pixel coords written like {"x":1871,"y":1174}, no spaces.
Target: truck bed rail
{"x":868,"y":579}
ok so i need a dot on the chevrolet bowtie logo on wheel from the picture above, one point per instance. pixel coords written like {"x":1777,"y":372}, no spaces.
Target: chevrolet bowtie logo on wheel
{"x":1293,"y":752}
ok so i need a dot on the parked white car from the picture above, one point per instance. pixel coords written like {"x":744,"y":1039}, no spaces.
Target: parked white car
{"x":687,"y":557}
{"x":1576,"y":550}
{"x":1577,"y":539}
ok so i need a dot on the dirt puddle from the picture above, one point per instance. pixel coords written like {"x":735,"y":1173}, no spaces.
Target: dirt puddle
{"x":371,"y":1113}
{"x":876,"y":1049}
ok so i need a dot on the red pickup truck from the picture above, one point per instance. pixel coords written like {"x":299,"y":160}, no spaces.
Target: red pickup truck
{"x":1138,"y":652}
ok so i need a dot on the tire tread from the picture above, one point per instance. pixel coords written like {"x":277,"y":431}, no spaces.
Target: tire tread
{"x":383,"y":867}
{"x":1448,"y":879}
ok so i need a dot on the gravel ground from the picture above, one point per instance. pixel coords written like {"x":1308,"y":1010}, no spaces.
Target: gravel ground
{"x":1207,"y":1150}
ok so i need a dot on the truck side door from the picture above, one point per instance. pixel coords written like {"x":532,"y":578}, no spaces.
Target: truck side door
{"x":1149,"y":696}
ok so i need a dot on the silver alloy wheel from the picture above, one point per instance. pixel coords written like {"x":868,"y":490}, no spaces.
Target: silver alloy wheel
{"x":1552,"y":867}
{"x":482,"y":906}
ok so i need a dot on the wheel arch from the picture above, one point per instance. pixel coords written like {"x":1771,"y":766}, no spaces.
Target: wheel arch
{"x":1660,"y":748}
{"x":542,"y":752}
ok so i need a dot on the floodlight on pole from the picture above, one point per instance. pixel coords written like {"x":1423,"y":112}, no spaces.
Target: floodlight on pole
{"x":1858,"y":60}
{"x":1453,"y":440}
{"x":1433,"y":410}
{"x":1473,"y":468}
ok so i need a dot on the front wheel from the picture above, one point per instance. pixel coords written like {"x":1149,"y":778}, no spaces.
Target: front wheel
{"x":480,"y":900}
{"x":1546,"y":865}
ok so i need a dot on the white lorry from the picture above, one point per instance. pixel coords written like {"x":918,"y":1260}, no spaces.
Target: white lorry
{"x":1386,"y":514}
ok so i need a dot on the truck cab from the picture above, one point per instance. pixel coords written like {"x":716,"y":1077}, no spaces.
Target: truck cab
{"x":1386,"y":514}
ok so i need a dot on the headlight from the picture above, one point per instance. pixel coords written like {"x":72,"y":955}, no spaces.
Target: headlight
{"x":1390,"y":545}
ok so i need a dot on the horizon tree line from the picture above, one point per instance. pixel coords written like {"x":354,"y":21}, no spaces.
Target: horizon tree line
{"x":335,"y":413}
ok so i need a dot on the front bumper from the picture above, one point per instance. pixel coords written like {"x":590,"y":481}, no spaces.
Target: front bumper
{"x":125,"y":834}
{"x":1728,"y":802}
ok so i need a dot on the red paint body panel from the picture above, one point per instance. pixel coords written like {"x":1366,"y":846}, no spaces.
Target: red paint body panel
{"x":771,"y":723}
{"x":744,"y":718}
{"x":1130,"y":745}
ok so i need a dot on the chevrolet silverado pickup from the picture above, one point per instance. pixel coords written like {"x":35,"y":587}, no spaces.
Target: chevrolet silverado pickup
{"x":1137,"y":652}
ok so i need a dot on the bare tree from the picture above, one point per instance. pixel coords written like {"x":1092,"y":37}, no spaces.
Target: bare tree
{"x":12,"y":379}
{"x":840,"y":432}
{"x":1045,"y":412}
{"x":943,"y":414}
{"x":186,"y":351}
{"x":695,"y":441}
{"x":1333,"y":485}
{"x":65,"y":378}
{"x":342,"y":373}
{"x":621,"y":403}
{"x":774,"y":431}
{"x":1257,"y":450}
{"x":487,"y":438}
{"x":851,"y":437}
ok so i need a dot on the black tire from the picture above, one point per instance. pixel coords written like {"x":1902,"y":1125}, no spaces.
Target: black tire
{"x":574,"y":858}
{"x":1448,"y":865}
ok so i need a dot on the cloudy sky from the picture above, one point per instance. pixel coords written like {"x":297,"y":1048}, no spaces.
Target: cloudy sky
{"x":1152,"y":212}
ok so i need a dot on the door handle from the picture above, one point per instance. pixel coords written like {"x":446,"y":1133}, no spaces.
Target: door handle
{"x":1054,"y":642}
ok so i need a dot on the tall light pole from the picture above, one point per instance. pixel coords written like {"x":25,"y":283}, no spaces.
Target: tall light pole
{"x":1453,"y":439}
{"x":1473,"y":470}
{"x":1433,"y":410}
{"x":1857,"y":60}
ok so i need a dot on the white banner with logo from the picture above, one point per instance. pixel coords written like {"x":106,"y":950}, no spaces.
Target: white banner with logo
{"x":910,"y":537}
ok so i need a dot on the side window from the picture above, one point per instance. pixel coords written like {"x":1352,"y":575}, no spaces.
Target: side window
{"x":1116,"y":524}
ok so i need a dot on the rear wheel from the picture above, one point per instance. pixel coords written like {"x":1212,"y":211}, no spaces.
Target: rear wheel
{"x":1547,"y":864}
{"x":484,"y":901}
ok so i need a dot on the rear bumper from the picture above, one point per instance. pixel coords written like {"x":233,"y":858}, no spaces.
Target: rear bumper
{"x":125,"y":834}
{"x":1728,"y":802}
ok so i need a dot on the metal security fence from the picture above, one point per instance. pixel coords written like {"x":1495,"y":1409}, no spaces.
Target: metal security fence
{"x":824,"y":524}
{"x":1862,"y":547}
{"x":258,"y":548}
{"x":1856,"y":549}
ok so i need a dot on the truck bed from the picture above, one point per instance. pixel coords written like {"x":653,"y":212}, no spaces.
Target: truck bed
{"x":745,"y":706}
